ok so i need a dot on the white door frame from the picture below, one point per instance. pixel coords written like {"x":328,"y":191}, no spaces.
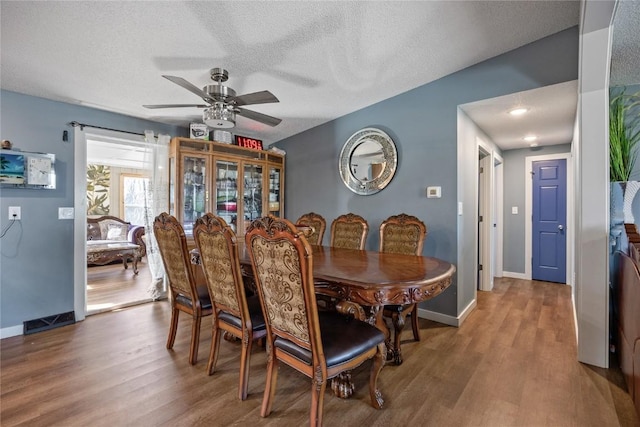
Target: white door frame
{"x":484,"y":211}
{"x":492,"y":201}
{"x":528,"y":211}
{"x":497,"y":215}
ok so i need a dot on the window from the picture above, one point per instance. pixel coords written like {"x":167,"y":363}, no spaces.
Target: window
{"x":135,"y":197}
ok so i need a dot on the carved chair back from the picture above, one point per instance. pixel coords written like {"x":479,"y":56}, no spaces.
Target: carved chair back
{"x":317,"y":223}
{"x":233,"y":311}
{"x":185,"y":294}
{"x":282,"y":262}
{"x":218,"y":248}
{"x":281,"y":259}
{"x":402,"y":234}
{"x":172,"y":244}
{"x":349,"y":231}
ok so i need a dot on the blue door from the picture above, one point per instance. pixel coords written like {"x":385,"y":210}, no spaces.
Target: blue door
{"x":549,"y":221}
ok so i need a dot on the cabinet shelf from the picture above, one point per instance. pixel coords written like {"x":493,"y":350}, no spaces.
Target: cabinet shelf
{"x":235,"y":183}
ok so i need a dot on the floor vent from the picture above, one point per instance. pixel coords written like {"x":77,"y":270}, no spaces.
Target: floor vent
{"x":50,"y":322}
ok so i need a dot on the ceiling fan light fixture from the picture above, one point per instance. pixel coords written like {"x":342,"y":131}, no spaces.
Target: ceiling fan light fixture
{"x":219,"y":116}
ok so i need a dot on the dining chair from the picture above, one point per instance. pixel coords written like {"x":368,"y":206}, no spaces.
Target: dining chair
{"x":317,"y":223}
{"x":402,"y":234}
{"x":233,"y":311}
{"x":349,"y":231}
{"x":185,"y":294}
{"x":321,"y":345}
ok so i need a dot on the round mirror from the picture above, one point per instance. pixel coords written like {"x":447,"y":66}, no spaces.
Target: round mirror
{"x":368,"y":161}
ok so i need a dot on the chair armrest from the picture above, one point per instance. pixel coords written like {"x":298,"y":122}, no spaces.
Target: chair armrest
{"x":135,"y":235}
{"x":351,"y":308}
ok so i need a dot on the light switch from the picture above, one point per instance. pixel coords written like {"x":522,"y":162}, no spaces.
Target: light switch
{"x":459,"y":208}
{"x":65,"y":213}
{"x":514,"y":210}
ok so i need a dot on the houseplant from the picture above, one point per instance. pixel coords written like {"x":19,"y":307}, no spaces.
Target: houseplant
{"x":624,"y":134}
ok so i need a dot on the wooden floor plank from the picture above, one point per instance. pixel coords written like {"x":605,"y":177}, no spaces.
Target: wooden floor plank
{"x":512,"y":363}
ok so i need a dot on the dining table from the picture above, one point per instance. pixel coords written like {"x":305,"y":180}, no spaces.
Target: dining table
{"x":371,"y":279}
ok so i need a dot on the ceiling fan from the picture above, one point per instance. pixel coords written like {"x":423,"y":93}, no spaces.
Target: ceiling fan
{"x":222,"y":102}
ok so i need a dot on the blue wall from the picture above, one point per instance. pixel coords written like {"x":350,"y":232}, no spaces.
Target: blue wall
{"x":422,"y":123}
{"x":36,"y":277}
{"x":36,"y":265}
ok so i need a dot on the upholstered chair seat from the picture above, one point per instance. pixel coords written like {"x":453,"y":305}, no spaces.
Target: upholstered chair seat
{"x":255,"y":313}
{"x":340,"y":343}
{"x":203,"y":296}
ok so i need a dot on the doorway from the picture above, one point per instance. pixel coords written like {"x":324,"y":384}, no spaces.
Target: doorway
{"x":567,"y":225}
{"x":549,"y":207}
{"x":489,"y":225}
{"x":116,"y":187}
{"x":485,"y":281}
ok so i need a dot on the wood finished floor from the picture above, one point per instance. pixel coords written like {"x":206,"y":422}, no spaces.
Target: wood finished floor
{"x":111,"y":286}
{"x":512,"y":363}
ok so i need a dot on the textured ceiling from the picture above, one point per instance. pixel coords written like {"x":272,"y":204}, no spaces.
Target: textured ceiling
{"x":321,"y":59}
{"x":550,"y":117}
{"x":625,"y":48}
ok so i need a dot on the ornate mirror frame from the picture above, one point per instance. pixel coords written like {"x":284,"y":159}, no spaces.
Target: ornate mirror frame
{"x":376,"y":183}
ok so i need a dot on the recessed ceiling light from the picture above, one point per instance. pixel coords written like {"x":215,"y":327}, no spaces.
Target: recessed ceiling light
{"x":530,"y":138}
{"x":518,"y":111}
{"x":533,"y":144}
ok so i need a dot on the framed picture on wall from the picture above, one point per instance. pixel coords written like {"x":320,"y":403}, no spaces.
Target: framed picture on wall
{"x":11,"y":167}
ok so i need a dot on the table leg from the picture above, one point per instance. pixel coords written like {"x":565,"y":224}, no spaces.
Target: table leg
{"x":135,"y":264}
{"x":376,"y":319}
{"x":342,"y":385}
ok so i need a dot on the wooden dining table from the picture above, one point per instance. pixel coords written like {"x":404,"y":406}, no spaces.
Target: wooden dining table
{"x":371,"y":279}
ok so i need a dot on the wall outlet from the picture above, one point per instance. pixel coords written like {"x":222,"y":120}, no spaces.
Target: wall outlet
{"x":15,"y":212}
{"x":434,"y":192}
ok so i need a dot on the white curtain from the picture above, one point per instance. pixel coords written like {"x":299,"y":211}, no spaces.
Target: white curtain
{"x":156,"y":202}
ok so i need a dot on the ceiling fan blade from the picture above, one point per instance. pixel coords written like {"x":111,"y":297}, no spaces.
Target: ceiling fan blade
{"x":175,"y":106}
{"x":263,"y":97}
{"x":258,"y":117}
{"x":190,"y":87}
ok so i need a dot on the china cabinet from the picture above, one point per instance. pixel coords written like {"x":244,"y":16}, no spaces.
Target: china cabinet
{"x":236,"y":183}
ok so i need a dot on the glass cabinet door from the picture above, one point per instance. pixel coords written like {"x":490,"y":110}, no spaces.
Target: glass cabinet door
{"x":252,"y":186}
{"x":274,"y":191}
{"x":195,"y":193}
{"x":226,"y":197}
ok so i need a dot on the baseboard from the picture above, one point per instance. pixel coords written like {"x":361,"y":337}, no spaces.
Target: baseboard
{"x":575,"y":312}
{"x":445,"y":318}
{"x":467,"y":311}
{"x":11,"y":331}
{"x":514,"y":275}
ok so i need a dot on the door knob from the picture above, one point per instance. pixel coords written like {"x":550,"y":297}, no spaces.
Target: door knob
{"x":560,"y":227}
